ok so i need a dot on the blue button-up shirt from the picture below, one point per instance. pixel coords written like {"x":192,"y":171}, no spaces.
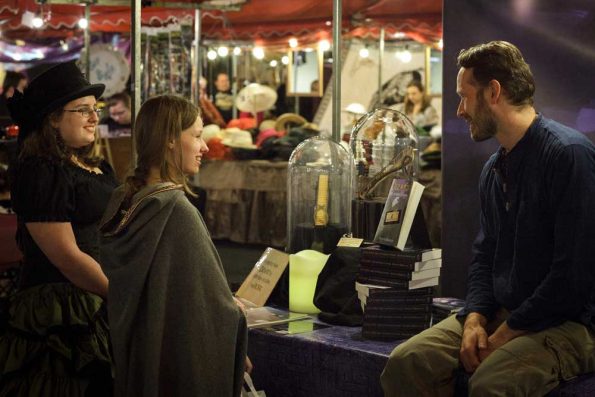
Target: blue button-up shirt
{"x":535,"y":251}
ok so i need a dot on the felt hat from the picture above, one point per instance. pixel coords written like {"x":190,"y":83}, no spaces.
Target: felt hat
{"x":236,"y":138}
{"x":210,"y":131}
{"x":47,"y":92}
{"x":256,"y":98}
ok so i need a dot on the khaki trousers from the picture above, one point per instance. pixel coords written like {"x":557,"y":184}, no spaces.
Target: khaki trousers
{"x":530,"y":365}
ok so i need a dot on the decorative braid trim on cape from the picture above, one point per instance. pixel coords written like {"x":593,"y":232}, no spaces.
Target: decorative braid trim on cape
{"x":128,"y":213}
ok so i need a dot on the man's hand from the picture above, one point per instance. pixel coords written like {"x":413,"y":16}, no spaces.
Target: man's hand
{"x":499,"y":338}
{"x":475,"y":339}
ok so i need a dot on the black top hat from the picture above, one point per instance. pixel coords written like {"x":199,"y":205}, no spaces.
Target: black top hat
{"x":47,"y":92}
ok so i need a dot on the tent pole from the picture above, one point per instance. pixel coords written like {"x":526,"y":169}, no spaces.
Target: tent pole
{"x":337,"y":14}
{"x":135,"y":22}
{"x":87,"y":40}
{"x":234,"y":85}
{"x":380,"y":61}
{"x":197,"y":56}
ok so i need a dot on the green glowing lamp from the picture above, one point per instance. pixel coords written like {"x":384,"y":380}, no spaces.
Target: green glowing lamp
{"x":304,"y":268}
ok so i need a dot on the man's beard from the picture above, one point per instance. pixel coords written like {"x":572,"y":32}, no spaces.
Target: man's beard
{"x":483,"y":125}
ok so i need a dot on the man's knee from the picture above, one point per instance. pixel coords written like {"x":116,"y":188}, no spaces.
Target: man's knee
{"x":399,"y":368}
{"x":406,"y":360}
{"x":481,"y":384}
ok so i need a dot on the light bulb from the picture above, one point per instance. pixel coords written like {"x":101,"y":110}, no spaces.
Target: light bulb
{"x":237,"y":51}
{"x":285,"y":60}
{"x":273,"y":63}
{"x":364,"y":53}
{"x":37,"y":22}
{"x":324,"y":45}
{"x":212,"y":55}
{"x":222,"y":51}
{"x":258,"y":52}
{"x":293,"y":42}
{"x":83,"y":23}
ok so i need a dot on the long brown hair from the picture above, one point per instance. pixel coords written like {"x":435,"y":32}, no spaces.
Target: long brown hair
{"x":47,"y":142}
{"x":161,"y":120}
{"x":425,"y":101}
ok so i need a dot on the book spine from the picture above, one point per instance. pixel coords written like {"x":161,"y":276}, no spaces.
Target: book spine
{"x":391,"y":275}
{"x":393,"y":256}
{"x":400,"y":284}
{"x":370,"y":263}
{"x":391,"y":292}
{"x":399,"y":300}
{"x":382,"y":318}
{"x":375,"y":308}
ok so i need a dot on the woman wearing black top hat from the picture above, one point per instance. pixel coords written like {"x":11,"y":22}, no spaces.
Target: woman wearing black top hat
{"x":56,"y":339}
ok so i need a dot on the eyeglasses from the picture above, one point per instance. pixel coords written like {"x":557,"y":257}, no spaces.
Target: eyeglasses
{"x":85,"y":112}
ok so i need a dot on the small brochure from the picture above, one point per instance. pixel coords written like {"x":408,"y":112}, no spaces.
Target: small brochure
{"x":259,"y":317}
{"x":259,"y":284}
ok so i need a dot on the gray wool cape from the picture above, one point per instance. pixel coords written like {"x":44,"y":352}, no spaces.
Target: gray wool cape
{"x":175,"y":328}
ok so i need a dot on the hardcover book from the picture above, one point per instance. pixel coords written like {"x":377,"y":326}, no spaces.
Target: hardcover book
{"x":408,"y":255}
{"x":366,"y":263}
{"x":401,"y":284}
{"x":398,"y":214}
{"x":399,"y":275}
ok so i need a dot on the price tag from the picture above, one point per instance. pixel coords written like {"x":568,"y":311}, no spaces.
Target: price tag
{"x":350,"y":242}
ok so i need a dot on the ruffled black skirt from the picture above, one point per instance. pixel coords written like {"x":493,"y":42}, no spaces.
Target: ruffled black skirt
{"x":55,"y":343}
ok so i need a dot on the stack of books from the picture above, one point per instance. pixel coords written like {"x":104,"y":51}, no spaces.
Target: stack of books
{"x":444,"y":307}
{"x":395,"y":289}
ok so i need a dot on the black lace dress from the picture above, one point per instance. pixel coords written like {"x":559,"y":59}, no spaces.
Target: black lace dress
{"x":56,"y":341}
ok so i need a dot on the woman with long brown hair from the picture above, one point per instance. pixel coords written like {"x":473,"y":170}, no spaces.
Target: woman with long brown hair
{"x":417,"y":106}
{"x":175,"y":326}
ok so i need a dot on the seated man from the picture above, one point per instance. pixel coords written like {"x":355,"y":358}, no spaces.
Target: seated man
{"x":529,"y":317}
{"x":120,"y":116}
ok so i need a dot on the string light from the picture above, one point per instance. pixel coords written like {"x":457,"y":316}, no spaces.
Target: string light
{"x":212,"y":55}
{"x":37,"y":22}
{"x":293,"y":42}
{"x":404,"y":56}
{"x":83,"y":23}
{"x":285,"y":60}
{"x":273,"y":63}
{"x":222,"y":51}
{"x":258,"y":52}
{"x":324,"y":45}
{"x":364,"y":53}
{"x":237,"y":51}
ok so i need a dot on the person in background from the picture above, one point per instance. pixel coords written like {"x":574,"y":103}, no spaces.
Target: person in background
{"x":167,"y":283}
{"x":529,"y":318}
{"x":210,"y":114}
{"x":119,"y":121}
{"x":223,"y":98}
{"x":417,"y":107}
{"x":13,"y":81}
{"x":56,"y":342}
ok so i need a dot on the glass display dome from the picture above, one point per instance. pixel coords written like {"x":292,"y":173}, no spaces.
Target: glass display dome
{"x":384,"y":144}
{"x":319,"y":191}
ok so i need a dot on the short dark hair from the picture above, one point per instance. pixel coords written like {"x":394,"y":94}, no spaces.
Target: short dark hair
{"x":119,"y":97}
{"x":501,"y":61}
